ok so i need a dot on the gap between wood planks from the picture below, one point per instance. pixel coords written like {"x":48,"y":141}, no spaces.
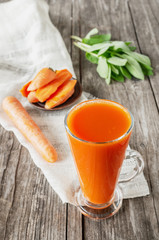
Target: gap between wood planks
{"x":14,"y":190}
{"x":80,"y":79}
{"x":137,"y":39}
{"x":131,"y":15}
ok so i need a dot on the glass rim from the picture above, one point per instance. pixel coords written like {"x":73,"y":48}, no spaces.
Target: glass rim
{"x":105,"y":142}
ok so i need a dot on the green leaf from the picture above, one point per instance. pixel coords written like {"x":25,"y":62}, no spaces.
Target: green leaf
{"x":92,"y":32}
{"x":98,"y":46}
{"x":147,"y":72}
{"x":128,"y":43}
{"x":117,"y":61}
{"x":135,"y":72}
{"x":97,"y":39}
{"x":125,"y":72}
{"x":91,"y":58}
{"x":140,"y":58}
{"x":108,"y":78}
{"x":118,"y":78}
{"x":146,"y":66}
{"x":104,"y":49}
{"x":120,"y":45}
{"x":107,"y":54}
{"x":102,"y":67}
{"x":133,"y":67}
{"x":82,"y":46}
{"x":132,"y":48}
{"x":114,"y":69}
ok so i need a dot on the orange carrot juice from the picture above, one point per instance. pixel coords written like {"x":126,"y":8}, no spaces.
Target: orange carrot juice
{"x":98,"y":133}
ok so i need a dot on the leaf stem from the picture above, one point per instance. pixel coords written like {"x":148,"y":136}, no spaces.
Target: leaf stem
{"x":76,"y":38}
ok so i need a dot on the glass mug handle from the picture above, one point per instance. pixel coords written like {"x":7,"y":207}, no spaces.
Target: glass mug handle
{"x":138,"y":162}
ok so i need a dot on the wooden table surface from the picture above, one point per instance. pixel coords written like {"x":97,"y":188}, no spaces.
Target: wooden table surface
{"x":29,"y":208}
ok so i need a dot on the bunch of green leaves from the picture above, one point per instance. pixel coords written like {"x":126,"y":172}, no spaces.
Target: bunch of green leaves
{"x":115,"y":60}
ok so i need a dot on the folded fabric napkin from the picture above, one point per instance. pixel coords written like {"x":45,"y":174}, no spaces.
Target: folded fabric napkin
{"x":29,"y":42}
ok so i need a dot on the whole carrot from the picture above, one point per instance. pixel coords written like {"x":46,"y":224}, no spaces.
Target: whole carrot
{"x":28,"y":128}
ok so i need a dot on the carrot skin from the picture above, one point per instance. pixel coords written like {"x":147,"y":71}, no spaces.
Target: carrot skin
{"x":32,"y":97}
{"x":42,"y":94}
{"x":23,"y":121}
{"x":64,"y":92}
{"x":43,"y":77}
{"x":62,"y":72}
{"x":24,"y":90}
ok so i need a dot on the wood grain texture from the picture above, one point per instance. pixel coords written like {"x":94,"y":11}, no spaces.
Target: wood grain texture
{"x":29,"y":208}
{"x":67,"y":16}
{"x":138,"y":96}
{"x":74,"y":217}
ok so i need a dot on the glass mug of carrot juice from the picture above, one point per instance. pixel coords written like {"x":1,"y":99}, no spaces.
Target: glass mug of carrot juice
{"x":98,"y":132}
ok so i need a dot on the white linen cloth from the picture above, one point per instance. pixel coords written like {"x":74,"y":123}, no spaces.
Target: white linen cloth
{"x":29,"y":42}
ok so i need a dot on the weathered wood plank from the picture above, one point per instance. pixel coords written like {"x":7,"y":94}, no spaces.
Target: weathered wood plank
{"x":68,"y":24}
{"x":71,"y":19}
{"x":135,"y":220}
{"x":74,"y":217}
{"x":146,"y":22}
{"x":29,"y":209}
{"x":148,"y":42}
{"x":9,"y":152}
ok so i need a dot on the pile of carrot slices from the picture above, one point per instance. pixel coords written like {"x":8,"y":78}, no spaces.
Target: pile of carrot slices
{"x":50,"y":87}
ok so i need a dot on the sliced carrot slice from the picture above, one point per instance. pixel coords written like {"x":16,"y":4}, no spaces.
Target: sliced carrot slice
{"x":43,"y":77}
{"x":64,"y":92}
{"x":42,"y":94}
{"x":24,"y":90}
{"x":32,"y":97}
{"x":62,"y":73}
